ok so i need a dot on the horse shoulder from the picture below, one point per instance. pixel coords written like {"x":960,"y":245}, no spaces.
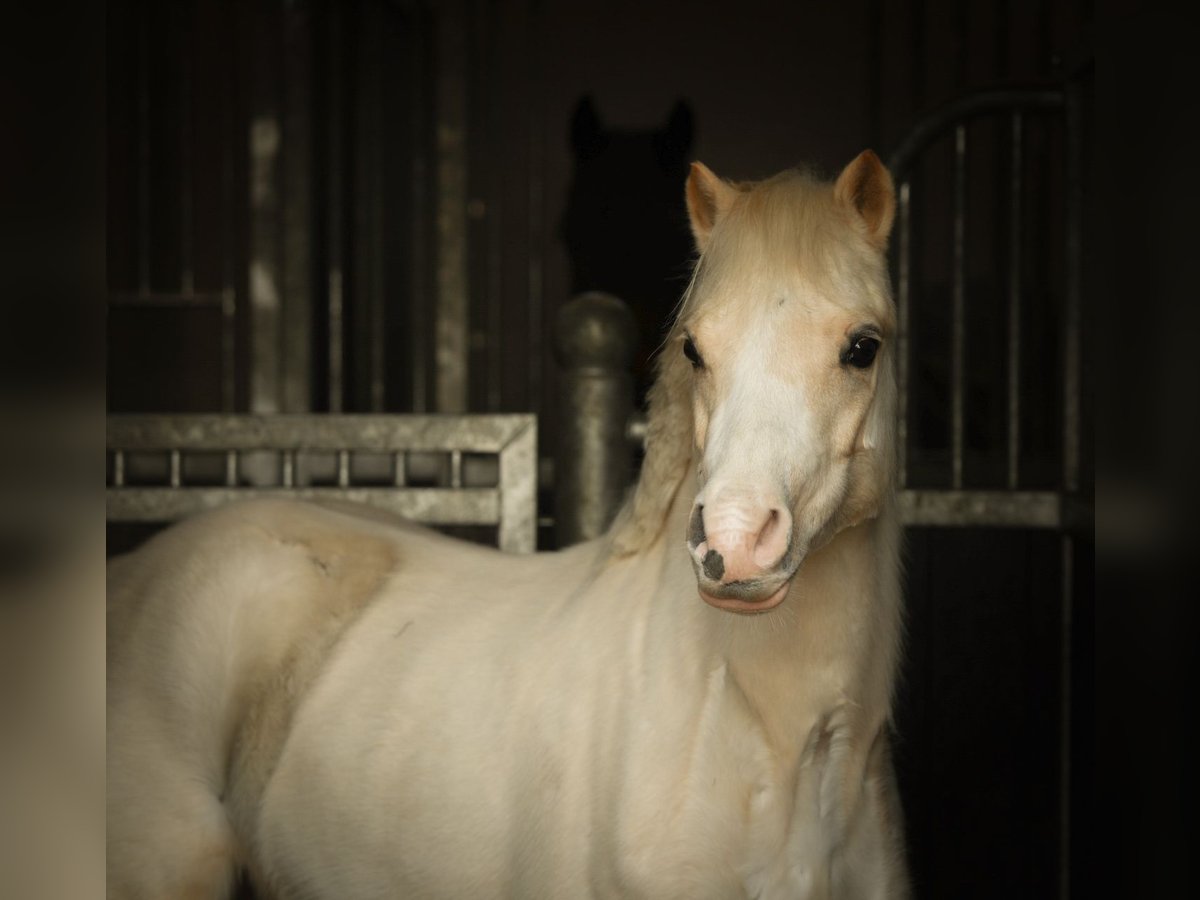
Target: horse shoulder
{"x":219,"y":625}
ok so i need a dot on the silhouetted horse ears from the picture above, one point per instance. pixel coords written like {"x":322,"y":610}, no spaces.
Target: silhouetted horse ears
{"x":587,"y":134}
{"x":673,"y":143}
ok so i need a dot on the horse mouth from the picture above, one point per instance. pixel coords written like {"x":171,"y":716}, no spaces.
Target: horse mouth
{"x":744,"y":606}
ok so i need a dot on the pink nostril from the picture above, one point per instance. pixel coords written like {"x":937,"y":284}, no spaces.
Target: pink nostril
{"x":772,"y":540}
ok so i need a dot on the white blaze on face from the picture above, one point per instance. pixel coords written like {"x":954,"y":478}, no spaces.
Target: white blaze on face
{"x":778,"y":419}
{"x":758,"y":430}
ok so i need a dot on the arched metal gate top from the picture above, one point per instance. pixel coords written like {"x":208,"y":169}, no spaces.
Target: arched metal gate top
{"x":961,"y":109}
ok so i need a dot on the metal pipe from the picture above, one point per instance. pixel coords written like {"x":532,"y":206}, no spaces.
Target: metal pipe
{"x":1014,"y":304}
{"x":975,"y":104}
{"x":903,"y":306}
{"x":143,"y":188}
{"x":452,"y":312}
{"x":958,"y":309}
{"x":418,"y":180}
{"x":535,"y":173}
{"x":1072,"y":377}
{"x":336,"y":126}
{"x":187,"y":275}
{"x":228,"y":348}
{"x":375,"y":199}
{"x":1064,"y":743}
{"x":288,"y":458}
{"x":594,"y":337}
{"x":228,"y":237}
{"x":1072,"y":301}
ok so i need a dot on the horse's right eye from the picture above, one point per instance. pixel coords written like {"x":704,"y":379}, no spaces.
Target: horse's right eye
{"x":690,"y":351}
{"x":862,"y":352}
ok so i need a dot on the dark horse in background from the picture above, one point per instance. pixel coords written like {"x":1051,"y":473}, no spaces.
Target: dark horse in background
{"x":625,"y":226}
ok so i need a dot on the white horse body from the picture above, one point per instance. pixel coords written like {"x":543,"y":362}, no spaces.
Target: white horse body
{"x":350,"y":707}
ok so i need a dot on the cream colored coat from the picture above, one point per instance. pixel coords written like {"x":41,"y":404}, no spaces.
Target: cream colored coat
{"x":352,"y":707}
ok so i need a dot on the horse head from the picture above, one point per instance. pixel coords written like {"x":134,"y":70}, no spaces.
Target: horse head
{"x":777,"y":381}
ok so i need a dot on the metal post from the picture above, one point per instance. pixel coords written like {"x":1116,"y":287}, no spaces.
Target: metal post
{"x":452,"y":326}
{"x":958,"y":324}
{"x":904,"y":315}
{"x":594,"y":338}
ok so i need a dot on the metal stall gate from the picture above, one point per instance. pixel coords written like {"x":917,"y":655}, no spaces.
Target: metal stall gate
{"x":1037,"y":479}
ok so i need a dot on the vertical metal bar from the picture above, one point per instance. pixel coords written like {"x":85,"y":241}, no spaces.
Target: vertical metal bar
{"x":1014,"y":303}
{"x":1072,"y":319}
{"x":174,"y":462}
{"x":494,"y":211}
{"x":903,"y":312}
{"x":295,"y":208}
{"x":1072,"y":376}
{"x":187,"y":277}
{"x":399,"y":470}
{"x":1065,"y":699}
{"x":455,"y":469}
{"x":231,"y":468}
{"x":228,"y":347}
{"x":536,"y":200}
{"x":343,"y":468}
{"x":958,"y":309}
{"x":419,"y":219}
{"x":143,"y":100}
{"x":517,"y":532}
{"x":336,"y":127}
{"x":118,"y":468}
{"x":288,"y":473}
{"x":375,"y":243}
{"x":452,"y":311}
{"x":265,"y":206}
{"x":229,"y":139}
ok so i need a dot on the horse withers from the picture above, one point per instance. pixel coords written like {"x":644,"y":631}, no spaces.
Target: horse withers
{"x":695,"y":705}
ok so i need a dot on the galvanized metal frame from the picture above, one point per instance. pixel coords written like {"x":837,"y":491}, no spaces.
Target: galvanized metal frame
{"x":1062,"y":510}
{"x":511,"y":505}
{"x":958,"y":507}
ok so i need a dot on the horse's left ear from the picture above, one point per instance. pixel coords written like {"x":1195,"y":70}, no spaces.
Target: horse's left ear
{"x":866,"y":185}
{"x":708,"y":198}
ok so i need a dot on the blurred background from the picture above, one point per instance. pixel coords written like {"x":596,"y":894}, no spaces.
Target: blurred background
{"x":382,"y":206}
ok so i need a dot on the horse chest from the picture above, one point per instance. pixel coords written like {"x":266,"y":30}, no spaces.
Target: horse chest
{"x":743,"y":816}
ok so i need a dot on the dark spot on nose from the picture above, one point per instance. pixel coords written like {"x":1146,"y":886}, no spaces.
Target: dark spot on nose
{"x":714,"y":566}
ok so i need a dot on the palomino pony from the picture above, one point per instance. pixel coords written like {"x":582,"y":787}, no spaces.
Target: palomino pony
{"x":696,"y":705}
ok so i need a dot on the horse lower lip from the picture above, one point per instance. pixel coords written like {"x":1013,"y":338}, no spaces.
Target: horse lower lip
{"x":748,"y":607}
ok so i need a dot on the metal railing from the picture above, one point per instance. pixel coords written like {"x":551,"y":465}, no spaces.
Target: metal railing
{"x":1012,"y":506}
{"x":438,"y":470}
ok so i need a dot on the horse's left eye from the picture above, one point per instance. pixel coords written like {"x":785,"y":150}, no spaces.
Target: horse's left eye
{"x":693,"y":355}
{"x":861,"y":352}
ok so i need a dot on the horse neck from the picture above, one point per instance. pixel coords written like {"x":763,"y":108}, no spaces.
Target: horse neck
{"x":833,"y":640}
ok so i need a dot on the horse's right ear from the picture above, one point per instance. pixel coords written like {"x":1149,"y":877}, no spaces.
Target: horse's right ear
{"x":708,"y":198}
{"x":866,"y":185}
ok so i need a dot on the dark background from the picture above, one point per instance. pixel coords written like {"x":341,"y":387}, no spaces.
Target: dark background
{"x":576,"y":121}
